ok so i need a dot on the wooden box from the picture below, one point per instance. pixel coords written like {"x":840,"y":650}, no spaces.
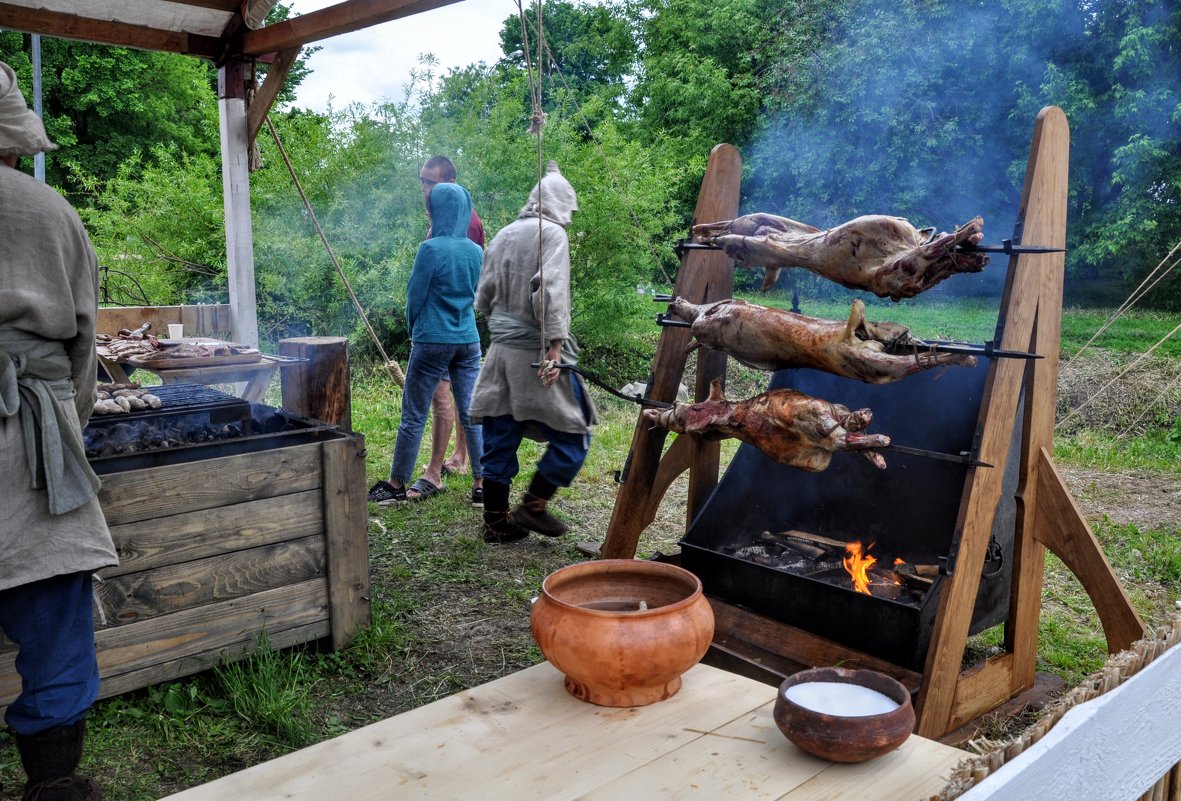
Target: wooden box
{"x":216,"y":551}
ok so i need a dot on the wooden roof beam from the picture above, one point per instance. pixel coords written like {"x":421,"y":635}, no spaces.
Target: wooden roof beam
{"x":343,"y":17}
{"x":257,"y":111}
{"x":121,"y":34}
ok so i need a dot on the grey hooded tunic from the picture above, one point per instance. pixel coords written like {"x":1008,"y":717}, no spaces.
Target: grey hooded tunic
{"x":512,"y":294}
{"x":48,"y":295}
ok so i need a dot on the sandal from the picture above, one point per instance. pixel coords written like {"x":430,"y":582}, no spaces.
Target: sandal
{"x":424,"y":488}
{"x":448,"y":470}
{"x":478,"y":497}
{"x":383,"y":493}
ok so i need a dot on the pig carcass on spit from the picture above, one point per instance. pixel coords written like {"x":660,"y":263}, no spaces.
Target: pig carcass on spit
{"x":788,"y":426}
{"x":774,"y":339}
{"x":885,"y":255}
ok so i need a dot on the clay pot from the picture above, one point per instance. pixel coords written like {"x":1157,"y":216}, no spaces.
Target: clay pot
{"x":622,"y":630}
{"x":840,"y":738}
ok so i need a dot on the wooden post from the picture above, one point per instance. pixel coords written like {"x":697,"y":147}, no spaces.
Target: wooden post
{"x":705,"y":276}
{"x":235,"y":181}
{"x":318,"y":389}
{"x":1030,"y":319}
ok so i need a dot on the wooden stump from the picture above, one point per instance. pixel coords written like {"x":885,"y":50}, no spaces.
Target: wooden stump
{"x":318,"y":389}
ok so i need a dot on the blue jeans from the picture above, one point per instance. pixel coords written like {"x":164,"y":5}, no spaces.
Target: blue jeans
{"x":50,"y":621}
{"x":431,"y":362}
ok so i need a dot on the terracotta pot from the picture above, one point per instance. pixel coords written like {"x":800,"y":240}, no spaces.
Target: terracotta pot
{"x":840,"y":738}
{"x":622,"y":630}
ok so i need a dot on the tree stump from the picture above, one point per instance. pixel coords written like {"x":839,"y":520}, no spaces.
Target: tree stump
{"x":318,"y":388}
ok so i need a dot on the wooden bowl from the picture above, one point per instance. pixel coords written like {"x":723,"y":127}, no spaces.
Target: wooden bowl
{"x":845,"y":737}
{"x":622,"y":630}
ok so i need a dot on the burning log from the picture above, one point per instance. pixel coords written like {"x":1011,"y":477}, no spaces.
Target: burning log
{"x":917,"y":577}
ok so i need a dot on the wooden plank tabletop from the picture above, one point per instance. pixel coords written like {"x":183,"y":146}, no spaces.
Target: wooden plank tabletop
{"x":524,"y":737}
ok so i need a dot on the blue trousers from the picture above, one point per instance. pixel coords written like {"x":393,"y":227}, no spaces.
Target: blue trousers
{"x":563,"y":457}
{"x":51,"y":622}
{"x":429,"y":364}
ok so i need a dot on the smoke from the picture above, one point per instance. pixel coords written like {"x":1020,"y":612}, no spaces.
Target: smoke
{"x":926,"y":110}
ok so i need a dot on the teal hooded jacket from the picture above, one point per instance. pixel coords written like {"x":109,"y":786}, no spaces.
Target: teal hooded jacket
{"x":446,"y":273}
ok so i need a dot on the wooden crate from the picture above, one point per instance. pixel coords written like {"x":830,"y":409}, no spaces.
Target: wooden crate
{"x":217,"y":551}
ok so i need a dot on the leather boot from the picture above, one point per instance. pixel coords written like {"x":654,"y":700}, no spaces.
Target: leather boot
{"x":498,"y":524}
{"x":531,"y":512}
{"x":50,"y":758}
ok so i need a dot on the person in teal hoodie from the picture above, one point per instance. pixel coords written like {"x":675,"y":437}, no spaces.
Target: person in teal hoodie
{"x":444,"y":342}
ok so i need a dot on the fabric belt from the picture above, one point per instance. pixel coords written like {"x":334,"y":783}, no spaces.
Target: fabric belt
{"x":34,"y":376}
{"x":513,"y":332}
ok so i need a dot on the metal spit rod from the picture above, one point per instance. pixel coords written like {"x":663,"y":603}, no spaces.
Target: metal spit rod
{"x":963,"y":457}
{"x":1006,"y":246}
{"x":988,"y":349}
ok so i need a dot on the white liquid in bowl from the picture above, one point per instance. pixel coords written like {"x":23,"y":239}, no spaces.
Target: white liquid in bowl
{"x":843,"y":700}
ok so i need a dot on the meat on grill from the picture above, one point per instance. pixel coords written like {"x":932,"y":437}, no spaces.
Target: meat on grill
{"x":774,"y":339}
{"x":788,"y":426}
{"x":885,"y":255}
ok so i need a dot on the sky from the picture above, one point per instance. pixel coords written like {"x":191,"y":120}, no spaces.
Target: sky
{"x":374,"y":63}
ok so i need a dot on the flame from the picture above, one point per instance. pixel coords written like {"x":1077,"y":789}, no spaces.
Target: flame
{"x":858,"y":565}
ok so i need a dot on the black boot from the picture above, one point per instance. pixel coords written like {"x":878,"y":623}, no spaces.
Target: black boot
{"x":531,"y":512}
{"x":498,"y":525}
{"x":50,"y":758}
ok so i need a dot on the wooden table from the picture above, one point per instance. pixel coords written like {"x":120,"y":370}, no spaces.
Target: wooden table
{"x":524,"y":737}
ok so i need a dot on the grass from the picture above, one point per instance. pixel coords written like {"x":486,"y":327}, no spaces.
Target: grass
{"x":450,"y":612}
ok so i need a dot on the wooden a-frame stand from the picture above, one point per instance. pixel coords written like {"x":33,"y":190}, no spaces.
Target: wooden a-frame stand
{"x":1047,"y":516}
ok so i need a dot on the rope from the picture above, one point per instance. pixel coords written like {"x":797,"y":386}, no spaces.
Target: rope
{"x":1132,"y":299}
{"x":651,"y":246}
{"x":547,"y":373}
{"x":1148,"y":408}
{"x":392,"y":366}
{"x":1126,"y":370}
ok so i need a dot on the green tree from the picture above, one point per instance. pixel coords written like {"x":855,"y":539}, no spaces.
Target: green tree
{"x":105,"y":105}
{"x":924,"y":109}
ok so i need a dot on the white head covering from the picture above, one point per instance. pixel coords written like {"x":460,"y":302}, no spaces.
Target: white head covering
{"x":21,"y":131}
{"x":559,"y":200}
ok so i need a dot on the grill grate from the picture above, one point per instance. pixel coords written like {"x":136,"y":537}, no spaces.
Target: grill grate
{"x":183,"y":399}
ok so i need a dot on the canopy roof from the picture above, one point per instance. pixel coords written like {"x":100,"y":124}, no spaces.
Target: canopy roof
{"x":212,"y":29}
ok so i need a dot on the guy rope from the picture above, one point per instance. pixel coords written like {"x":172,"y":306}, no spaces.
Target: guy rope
{"x":391,"y":365}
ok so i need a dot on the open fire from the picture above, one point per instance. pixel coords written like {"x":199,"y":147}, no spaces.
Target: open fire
{"x":845,"y":564}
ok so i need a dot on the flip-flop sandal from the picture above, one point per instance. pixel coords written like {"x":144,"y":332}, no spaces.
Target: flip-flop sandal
{"x":424,"y":488}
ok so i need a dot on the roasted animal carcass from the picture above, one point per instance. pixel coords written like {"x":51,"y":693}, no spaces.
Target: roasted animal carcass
{"x":788,"y":426}
{"x":885,"y":255}
{"x":774,"y":339}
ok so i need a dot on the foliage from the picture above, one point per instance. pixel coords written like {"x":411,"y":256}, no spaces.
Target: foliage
{"x":107,"y":105}
{"x":270,"y":691}
{"x":924,"y":109}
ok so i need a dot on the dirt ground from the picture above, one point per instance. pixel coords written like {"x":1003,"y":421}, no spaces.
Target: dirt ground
{"x":1145,"y":500}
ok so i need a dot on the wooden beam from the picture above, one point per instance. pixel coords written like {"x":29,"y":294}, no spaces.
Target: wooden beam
{"x":120,"y":34}
{"x":1024,"y":293}
{"x":235,"y":172}
{"x":704,"y":276}
{"x":341,"y":18}
{"x":264,"y":98}
{"x":1064,"y":530}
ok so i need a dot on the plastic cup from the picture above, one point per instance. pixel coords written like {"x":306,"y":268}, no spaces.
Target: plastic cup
{"x":175,"y":330}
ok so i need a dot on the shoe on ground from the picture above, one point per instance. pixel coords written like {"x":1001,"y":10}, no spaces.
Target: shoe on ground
{"x":383,"y":493}
{"x":478,"y":497}
{"x":532,"y":514}
{"x":499,"y":528}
